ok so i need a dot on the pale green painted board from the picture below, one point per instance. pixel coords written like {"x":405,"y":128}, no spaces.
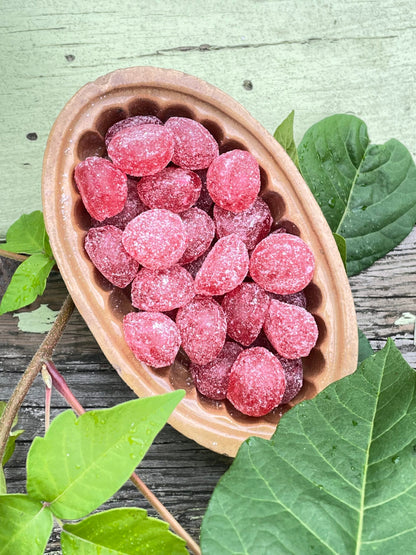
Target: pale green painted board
{"x":316,"y":57}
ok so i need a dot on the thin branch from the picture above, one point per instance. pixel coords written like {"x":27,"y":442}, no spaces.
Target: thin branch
{"x":45,"y":351}
{"x":13,"y":255}
{"x":63,"y":388}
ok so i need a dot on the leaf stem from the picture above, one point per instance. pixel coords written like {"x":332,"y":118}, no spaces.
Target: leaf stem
{"x":47,"y":380}
{"x":63,"y":388}
{"x":13,"y":255}
{"x":29,"y":375}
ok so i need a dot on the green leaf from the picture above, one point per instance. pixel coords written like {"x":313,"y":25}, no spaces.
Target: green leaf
{"x":367,"y":192}
{"x":342,"y":247}
{"x":284,"y":135}
{"x":364,"y":347}
{"x":25,"y":525}
{"x":12,"y":436}
{"x":28,"y":281}
{"x":121,"y":531}
{"x":338,"y":475}
{"x":81,"y":462}
{"x":3,"y":486}
{"x":27,"y":234}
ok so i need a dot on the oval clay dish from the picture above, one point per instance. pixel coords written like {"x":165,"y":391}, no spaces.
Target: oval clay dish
{"x":79,"y":132}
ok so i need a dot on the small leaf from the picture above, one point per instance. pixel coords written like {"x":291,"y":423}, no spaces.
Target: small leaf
{"x":12,"y":436}
{"x":364,"y":347}
{"x":284,"y":136}
{"x":81,"y":462}
{"x":338,"y":475}
{"x":367,"y":192}
{"x":342,"y":247}
{"x":27,"y":234}
{"x":121,"y":532}
{"x":37,"y":321}
{"x":25,"y":525}
{"x":28,"y":281}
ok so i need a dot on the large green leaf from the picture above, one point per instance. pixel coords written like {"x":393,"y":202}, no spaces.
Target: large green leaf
{"x":25,"y":525}
{"x":367,"y":192}
{"x":121,"y":532}
{"x":28,"y":281}
{"x":27,"y":235}
{"x":284,"y":135}
{"x":338,"y":476}
{"x":81,"y":462}
{"x":364,"y":348}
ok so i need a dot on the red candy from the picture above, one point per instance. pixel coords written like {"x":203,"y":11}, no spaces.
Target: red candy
{"x":224,"y":268}
{"x":102,"y":186}
{"x":162,"y":290}
{"x":212,"y":379}
{"x":292,"y":330}
{"x":133,"y":121}
{"x":194,"y":267}
{"x":293,"y":370}
{"x":282,"y":264}
{"x":132,"y":208}
{"x":299,"y":299}
{"x":195,"y":147}
{"x":204,"y":202}
{"x":153,"y":337}
{"x":233,"y":180}
{"x":251,"y":225}
{"x":106,"y":251}
{"x":173,"y":188}
{"x":156,"y":238}
{"x":245,"y":309}
{"x":200,"y":230}
{"x":203,"y":328}
{"x":256,"y":382}
{"x":141,"y":149}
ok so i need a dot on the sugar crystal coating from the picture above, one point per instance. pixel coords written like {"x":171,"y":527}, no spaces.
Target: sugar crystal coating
{"x":293,"y":370}
{"x":251,"y":225}
{"x":204,"y":201}
{"x":256,"y":382}
{"x":172,"y":188}
{"x":153,"y":337}
{"x":224,"y":268}
{"x":233,"y":180}
{"x":282,"y":264}
{"x":245,"y":309}
{"x":194,"y":266}
{"x":212,"y":379}
{"x":195,"y":147}
{"x":200,"y":230}
{"x":203,"y":328}
{"x":156,"y":238}
{"x":129,"y":122}
{"x":141,"y":150}
{"x":299,"y":298}
{"x":292,"y":330}
{"x":132,"y":208}
{"x":162,"y":290}
{"x":102,"y":186}
{"x":106,"y":251}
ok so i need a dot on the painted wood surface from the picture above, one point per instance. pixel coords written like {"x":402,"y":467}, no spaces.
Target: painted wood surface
{"x":317,"y":57}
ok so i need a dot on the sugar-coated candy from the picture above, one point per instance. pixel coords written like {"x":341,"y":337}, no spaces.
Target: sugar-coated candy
{"x":293,"y":370}
{"x":194,"y":266}
{"x":256,"y":382}
{"x":292,"y":330}
{"x":282,"y":264}
{"x":212,"y":379}
{"x":299,"y":298}
{"x":102,"y":186}
{"x":245,"y":308}
{"x":203,"y":328}
{"x":172,"y":188}
{"x":153,"y":337}
{"x":156,"y":238}
{"x":204,"y":201}
{"x":162,"y":290}
{"x":200,"y":230}
{"x":130,"y":122}
{"x":195,"y":147}
{"x":132,"y":208}
{"x":233,"y":180}
{"x":251,"y":225}
{"x":141,"y":149}
{"x":105,"y":248}
{"x":224,"y":268}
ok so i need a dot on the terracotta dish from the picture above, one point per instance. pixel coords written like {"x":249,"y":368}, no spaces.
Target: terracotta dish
{"x":79,"y":132}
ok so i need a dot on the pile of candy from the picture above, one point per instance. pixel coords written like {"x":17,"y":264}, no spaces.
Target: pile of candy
{"x":212,"y":279}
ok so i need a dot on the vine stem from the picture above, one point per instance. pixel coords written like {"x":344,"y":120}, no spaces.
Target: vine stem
{"x":13,"y":255}
{"x":45,"y":351}
{"x":62,"y":387}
